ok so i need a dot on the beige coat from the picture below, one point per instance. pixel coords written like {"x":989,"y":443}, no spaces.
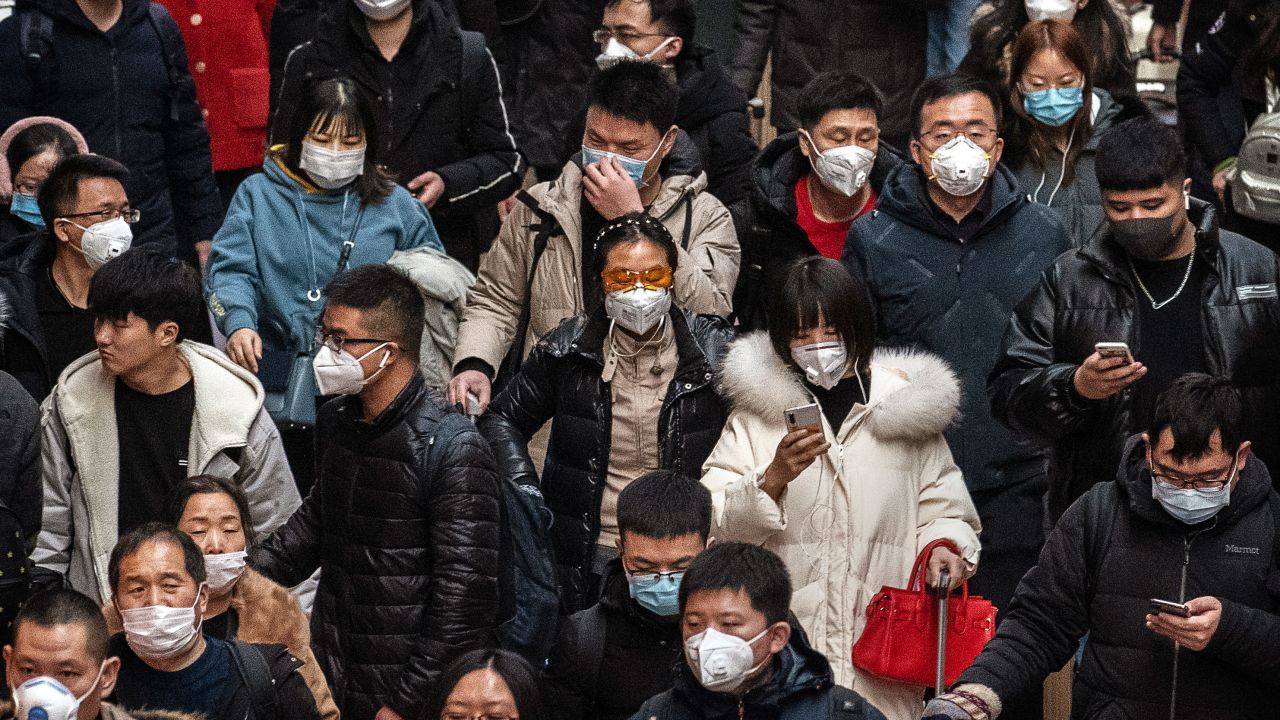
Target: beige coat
{"x":703,"y":282}
{"x":855,"y":520}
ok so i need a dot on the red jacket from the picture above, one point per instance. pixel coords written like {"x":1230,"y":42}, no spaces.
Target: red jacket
{"x":227,"y":54}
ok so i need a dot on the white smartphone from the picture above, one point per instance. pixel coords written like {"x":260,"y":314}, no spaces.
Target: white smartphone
{"x":1114,"y":350}
{"x":1168,"y":606}
{"x":805,"y":416}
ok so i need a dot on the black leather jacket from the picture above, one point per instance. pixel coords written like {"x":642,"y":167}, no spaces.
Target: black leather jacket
{"x":561,"y":380}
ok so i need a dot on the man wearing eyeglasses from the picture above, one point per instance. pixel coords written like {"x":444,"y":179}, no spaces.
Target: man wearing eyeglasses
{"x":1171,"y":570}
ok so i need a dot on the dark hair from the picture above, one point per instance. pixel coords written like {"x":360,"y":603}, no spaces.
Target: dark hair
{"x":1139,"y":154}
{"x":678,"y":17}
{"x":63,"y":606}
{"x":664,"y":504}
{"x":1263,"y":59}
{"x":210,"y":485}
{"x":635,"y":91}
{"x":633,"y":228}
{"x":151,"y":285}
{"x":836,"y":90}
{"x":391,"y":302}
{"x":1192,"y":408}
{"x":1059,"y":37}
{"x":327,"y":102}
{"x":61,"y":189}
{"x":514,"y":670}
{"x":741,"y":566}
{"x":819,"y":286}
{"x":941,"y":87}
{"x":192,"y":558}
{"x":36,"y":140}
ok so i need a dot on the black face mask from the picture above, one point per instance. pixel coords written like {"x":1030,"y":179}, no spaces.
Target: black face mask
{"x":1149,"y":238}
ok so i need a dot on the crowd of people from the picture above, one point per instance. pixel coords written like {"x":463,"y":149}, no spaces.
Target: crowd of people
{"x":447,"y":360}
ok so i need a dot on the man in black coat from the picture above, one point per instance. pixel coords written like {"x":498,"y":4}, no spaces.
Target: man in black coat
{"x":613,"y":656}
{"x":444,"y":131}
{"x":1190,"y":520}
{"x":117,"y":71}
{"x":20,"y":488}
{"x":1163,"y":279}
{"x":404,"y":518}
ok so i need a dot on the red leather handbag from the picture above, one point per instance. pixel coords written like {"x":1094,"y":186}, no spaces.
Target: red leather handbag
{"x":900,"y":640}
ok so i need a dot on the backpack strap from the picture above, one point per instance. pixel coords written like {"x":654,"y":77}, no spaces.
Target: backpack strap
{"x":255,"y":672}
{"x":35,"y":39}
{"x":688,"y":221}
{"x":588,"y":641}
{"x":475,"y":56}
{"x":174,"y":51}
{"x":546,"y":226}
{"x":1101,"y":512}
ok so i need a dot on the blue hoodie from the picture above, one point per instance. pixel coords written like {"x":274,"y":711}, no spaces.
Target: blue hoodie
{"x":280,"y":245}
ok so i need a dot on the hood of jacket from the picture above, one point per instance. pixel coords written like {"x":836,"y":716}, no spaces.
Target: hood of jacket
{"x":6,"y":139}
{"x":913,"y":396}
{"x":706,"y":90}
{"x":798,"y":668}
{"x":1133,"y":483}
{"x":1104,"y":252}
{"x":904,"y":196}
{"x":111,"y":711}
{"x":781,"y":164}
{"x":1108,"y":113}
{"x":69,"y":11}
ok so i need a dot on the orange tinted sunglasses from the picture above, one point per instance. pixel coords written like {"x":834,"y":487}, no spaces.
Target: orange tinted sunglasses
{"x":656,"y":278}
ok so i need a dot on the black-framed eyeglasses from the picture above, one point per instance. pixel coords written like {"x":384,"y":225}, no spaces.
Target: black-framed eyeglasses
{"x":129,"y":216}
{"x":626,"y":37}
{"x":1173,"y":482}
{"x":336,"y":342}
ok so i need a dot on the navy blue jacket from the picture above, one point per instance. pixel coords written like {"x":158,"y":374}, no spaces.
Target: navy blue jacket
{"x":954,"y":298}
{"x":114,"y":87}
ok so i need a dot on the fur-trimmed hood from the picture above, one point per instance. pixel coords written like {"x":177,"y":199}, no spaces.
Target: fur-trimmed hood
{"x":111,"y":711}
{"x":913,"y":395}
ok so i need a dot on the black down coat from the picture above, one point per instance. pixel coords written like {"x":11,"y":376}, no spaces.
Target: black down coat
{"x":404,"y":523}
{"x":1112,"y":552}
{"x":714,"y":112}
{"x":561,"y":379}
{"x":1087,"y":296}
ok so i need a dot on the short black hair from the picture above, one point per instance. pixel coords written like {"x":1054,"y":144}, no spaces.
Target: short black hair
{"x":741,"y":566}
{"x":941,"y":87}
{"x":664,"y":504}
{"x":1193,"y":407}
{"x":151,"y":285}
{"x":63,"y":606}
{"x":36,"y":140}
{"x":816,"y":286}
{"x":678,"y":17}
{"x":61,"y":189}
{"x":635,"y":91}
{"x":836,"y":90}
{"x":192,"y":558}
{"x":210,"y":485}
{"x":515,"y":671}
{"x":392,"y":303}
{"x":1139,"y":154}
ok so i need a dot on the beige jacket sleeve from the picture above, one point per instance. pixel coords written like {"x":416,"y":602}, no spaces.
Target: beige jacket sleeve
{"x":709,"y":267}
{"x":494,"y":304}
{"x":742,"y":512}
{"x":945,"y":508}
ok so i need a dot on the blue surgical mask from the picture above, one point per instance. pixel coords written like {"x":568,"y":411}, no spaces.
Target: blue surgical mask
{"x":26,"y":208}
{"x":1192,"y":506}
{"x":659,"y":593}
{"x":632,"y":167}
{"x":1054,"y":106}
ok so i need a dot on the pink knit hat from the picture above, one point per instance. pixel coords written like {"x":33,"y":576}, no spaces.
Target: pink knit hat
{"x":6,"y":172}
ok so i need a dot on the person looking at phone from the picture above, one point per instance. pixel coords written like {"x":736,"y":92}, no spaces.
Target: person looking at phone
{"x":846,"y":505}
{"x":1162,"y":278}
{"x":1190,"y":520}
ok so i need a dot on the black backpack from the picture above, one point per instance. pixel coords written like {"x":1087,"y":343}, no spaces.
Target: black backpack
{"x":255,"y":672}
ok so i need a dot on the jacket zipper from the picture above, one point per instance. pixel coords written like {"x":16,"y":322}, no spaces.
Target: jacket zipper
{"x":1182,"y":598}
{"x":115,"y":94}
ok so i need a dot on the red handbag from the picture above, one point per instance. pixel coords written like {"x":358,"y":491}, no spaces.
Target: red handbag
{"x":900,"y":640}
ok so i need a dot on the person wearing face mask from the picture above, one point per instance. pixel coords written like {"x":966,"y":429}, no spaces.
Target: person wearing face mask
{"x":638,"y":360}
{"x":160,"y":591}
{"x":848,"y":503}
{"x":613,"y":656}
{"x":809,"y":187}
{"x":1189,"y":519}
{"x":633,"y":160}
{"x":1168,"y":274}
{"x":28,"y":151}
{"x":404,"y":519}
{"x":742,"y":655}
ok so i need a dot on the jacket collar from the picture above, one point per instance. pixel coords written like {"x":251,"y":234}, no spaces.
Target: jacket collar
{"x":350,"y":409}
{"x":1133,"y":481}
{"x":797,"y":669}
{"x":589,"y":343}
{"x":903,"y":193}
{"x":781,"y":164}
{"x":1103,"y":251}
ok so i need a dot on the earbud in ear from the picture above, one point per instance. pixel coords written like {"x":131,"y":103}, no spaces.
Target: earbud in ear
{"x":1186,"y":200}
{"x":386,"y":355}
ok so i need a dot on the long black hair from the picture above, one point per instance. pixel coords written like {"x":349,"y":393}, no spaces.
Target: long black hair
{"x":328,"y":102}
{"x":514,"y":670}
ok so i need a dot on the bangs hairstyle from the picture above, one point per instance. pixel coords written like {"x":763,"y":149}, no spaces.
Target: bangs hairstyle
{"x":741,"y":567}
{"x":515,"y":671}
{"x":664,"y":504}
{"x":335,"y":104}
{"x":192,"y":559}
{"x":1058,"y":37}
{"x":816,"y":290}
{"x":836,"y":90}
{"x":390,"y":304}
{"x":1139,"y":154}
{"x":1193,"y":407}
{"x":153,"y":286}
{"x":63,"y":606}
{"x":211,"y":485}
{"x":635,"y":91}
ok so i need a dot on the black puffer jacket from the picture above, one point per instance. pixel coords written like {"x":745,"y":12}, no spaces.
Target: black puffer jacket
{"x":714,"y":112}
{"x":23,"y":352}
{"x":561,"y":379}
{"x":21,"y":489}
{"x":1112,"y":552}
{"x":766,"y":222}
{"x":429,"y":116}
{"x":403,"y":521}
{"x":1087,"y":296}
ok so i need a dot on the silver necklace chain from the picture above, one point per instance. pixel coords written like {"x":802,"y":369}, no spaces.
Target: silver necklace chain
{"x":1142,"y":286}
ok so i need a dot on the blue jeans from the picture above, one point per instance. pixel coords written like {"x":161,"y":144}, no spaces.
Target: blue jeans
{"x":949,"y":35}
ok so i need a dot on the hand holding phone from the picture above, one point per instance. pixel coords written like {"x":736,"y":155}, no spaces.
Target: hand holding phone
{"x":806,"y":416}
{"x":804,"y":443}
{"x":1168,"y":606}
{"x":1108,"y":350}
{"x":1110,"y":369}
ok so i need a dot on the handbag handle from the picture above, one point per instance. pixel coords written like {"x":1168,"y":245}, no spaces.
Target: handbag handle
{"x":919,"y":573}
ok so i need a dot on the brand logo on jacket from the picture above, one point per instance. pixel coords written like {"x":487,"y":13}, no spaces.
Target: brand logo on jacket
{"x":1237,"y":550}
{"x":1266,"y":291}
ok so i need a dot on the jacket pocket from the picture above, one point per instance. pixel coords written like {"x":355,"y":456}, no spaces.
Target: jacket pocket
{"x":251,"y":90}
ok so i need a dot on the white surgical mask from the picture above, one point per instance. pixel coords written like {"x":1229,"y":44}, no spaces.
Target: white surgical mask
{"x":639,"y":309}
{"x":615,"y":52}
{"x":331,"y":169}
{"x":823,"y":363}
{"x":960,"y":166}
{"x":721,"y":662}
{"x":104,"y":240}
{"x":844,"y":169}
{"x":50,"y":696}
{"x":159,"y":632}
{"x":340,"y":373}
{"x":223,"y":570}
{"x":1038,"y":10}
{"x":381,"y":9}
